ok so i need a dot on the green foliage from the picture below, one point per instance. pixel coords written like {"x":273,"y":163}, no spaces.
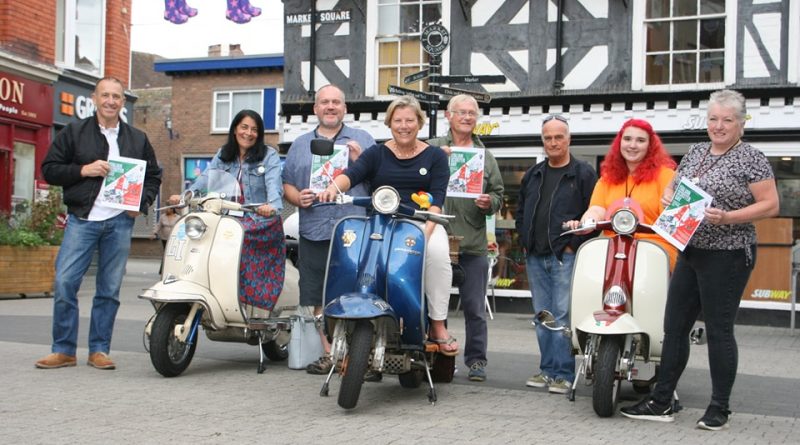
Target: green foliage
{"x":34,"y":224}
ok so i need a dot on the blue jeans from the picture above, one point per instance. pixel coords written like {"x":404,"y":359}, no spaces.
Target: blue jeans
{"x":711,"y":281}
{"x":473,"y":300}
{"x":549,"y":279}
{"x":112,"y":240}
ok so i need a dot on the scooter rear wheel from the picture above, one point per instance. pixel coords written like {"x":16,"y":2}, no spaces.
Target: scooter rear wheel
{"x":606,"y":385}
{"x":357,"y":360}
{"x":169,"y":355}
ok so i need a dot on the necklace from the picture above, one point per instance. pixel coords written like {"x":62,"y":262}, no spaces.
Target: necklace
{"x":702,"y":171}
{"x":628,"y":193}
{"x":403,"y":154}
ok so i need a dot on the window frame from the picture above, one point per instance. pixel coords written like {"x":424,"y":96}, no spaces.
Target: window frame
{"x":639,"y":58}
{"x":68,"y":30}
{"x":372,"y":76}
{"x":231,"y":113}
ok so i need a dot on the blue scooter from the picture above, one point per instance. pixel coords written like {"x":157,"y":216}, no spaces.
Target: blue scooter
{"x":374,"y":296}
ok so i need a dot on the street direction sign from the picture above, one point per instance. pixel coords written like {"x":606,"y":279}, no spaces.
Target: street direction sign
{"x":471,"y":79}
{"x":480,"y":97}
{"x":419,"y":95}
{"x":416,"y":77}
{"x":434,"y":39}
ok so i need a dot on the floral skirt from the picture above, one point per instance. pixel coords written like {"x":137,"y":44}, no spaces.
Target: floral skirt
{"x":261,"y":269}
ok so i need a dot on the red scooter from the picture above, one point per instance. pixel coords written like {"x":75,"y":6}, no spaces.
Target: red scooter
{"x":616,"y":317}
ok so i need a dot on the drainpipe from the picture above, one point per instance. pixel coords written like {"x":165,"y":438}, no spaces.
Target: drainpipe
{"x":312,"y":58}
{"x":558,"y":83}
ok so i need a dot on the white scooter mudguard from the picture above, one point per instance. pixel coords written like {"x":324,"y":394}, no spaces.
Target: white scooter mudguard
{"x":649,"y":294}
{"x":650,"y":285}
{"x":586,"y":290}
{"x":601,"y":324}
{"x":204,"y":271}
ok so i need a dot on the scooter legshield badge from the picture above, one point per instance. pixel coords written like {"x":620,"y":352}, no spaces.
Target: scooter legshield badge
{"x":348,"y":238}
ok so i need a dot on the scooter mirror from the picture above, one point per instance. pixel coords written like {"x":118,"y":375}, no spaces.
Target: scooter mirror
{"x":548,"y":321}
{"x":322,"y":147}
{"x":187,"y":196}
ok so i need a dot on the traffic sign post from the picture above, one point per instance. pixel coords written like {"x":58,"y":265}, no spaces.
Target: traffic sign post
{"x":472,"y":79}
{"x":416,"y":77}
{"x":419,"y":95}
{"x":447,"y":91}
{"x":434,"y":40}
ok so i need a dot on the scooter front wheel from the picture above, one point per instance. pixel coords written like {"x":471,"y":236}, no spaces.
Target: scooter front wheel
{"x":606,"y":385}
{"x":169,"y":355}
{"x":357,"y":360}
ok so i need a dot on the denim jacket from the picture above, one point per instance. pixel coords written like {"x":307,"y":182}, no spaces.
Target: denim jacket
{"x":261,"y":182}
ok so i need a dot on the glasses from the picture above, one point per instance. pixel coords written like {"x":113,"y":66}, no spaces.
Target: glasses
{"x":464,"y":113}
{"x":557,"y":117}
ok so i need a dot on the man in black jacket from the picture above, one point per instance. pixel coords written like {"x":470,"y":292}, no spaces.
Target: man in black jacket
{"x":553,"y":191}
{"x":80,"y":158}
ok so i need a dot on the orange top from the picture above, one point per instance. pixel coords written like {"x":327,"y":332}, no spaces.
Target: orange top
{"x":648,"y":195}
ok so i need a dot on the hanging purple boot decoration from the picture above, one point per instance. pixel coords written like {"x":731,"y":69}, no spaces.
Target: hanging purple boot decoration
{"x":236,"y":13}
{"x":186,"y":9}
{"x":173,"y":14}
{"x":248,"y":8}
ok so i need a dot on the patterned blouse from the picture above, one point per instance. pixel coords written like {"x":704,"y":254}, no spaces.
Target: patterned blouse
{"x":727,"y":179}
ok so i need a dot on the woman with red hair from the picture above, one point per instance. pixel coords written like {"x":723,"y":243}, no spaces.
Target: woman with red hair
{"x":636,"y":166}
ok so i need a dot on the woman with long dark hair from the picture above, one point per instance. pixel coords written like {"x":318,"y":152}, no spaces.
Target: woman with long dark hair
{"x":257,"y":168}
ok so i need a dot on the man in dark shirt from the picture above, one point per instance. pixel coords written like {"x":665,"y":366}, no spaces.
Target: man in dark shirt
{"x":552,"y":192}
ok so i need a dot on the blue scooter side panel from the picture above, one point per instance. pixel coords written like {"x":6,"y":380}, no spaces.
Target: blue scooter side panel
{"x":347,"y":242}
{"x":405,"y":270}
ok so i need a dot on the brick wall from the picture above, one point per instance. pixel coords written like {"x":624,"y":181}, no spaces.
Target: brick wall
{"x":28,"y":31}
{"x":118,"y":39}
{"x":192,"y":102}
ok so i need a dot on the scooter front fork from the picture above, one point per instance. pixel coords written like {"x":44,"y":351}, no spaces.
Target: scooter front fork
{"x":186,"y":332}
{"x":338,"y":350}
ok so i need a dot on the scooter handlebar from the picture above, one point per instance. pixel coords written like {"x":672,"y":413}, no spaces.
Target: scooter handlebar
{"x":438,"y":218}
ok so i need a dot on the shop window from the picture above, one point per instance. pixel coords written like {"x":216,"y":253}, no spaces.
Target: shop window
{"x":510,"y":269}
{"x":683,"y":42}
{"x":192,"y":168}
{"x":400,"y":23}
{"x":80,"y":31}
{"x":24,"y":166}
{"x":228,"y":103}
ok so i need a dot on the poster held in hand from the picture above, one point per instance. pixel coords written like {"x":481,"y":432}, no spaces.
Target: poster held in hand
{"x":682,"y":217}
{"x":466,"y":172}
{"x":323,"y":168}
{"x":123,"y":186}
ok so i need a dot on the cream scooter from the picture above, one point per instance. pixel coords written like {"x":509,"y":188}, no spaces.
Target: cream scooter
{"x":200,"y":285}
{"x":617,"y":315}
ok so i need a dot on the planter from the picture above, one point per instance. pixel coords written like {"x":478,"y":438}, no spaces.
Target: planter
{"x":27,"y":270}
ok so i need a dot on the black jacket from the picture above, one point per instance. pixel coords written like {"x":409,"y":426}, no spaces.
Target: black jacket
{"x":81,"y":143}
{"x":570,"y":200}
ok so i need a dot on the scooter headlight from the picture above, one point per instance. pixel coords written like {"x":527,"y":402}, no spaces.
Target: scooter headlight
{"x":614,"y":300}
{"x":624,"y":222}
{"x":385,"y":200}
{"x":195,"y":227}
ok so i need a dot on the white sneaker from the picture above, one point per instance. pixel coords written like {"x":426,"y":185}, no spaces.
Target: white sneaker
{"x":559,"y":386}
{"x":538,"y":381}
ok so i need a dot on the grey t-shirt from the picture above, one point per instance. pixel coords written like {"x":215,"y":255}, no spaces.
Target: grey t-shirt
{"x":316,"y":224}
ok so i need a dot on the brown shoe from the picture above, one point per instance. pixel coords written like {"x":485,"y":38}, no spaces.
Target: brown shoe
{"x":55,"y":360}
{"x":100,"y":360}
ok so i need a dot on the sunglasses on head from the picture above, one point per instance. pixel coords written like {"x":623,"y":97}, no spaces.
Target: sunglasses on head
{"x":557,"y":117}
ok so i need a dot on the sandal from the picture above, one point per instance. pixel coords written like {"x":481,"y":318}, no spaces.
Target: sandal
{"x":449,"y":341}
{"x":322,"y":366}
